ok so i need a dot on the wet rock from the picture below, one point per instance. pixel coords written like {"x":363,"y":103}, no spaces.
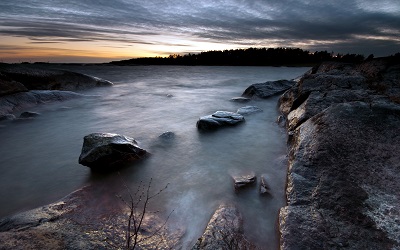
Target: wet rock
{"x":281,"y":120}
{"x":264,"y":186}
{"x":28,"y":114}
{"x":268,"y":89}
{"x":105,"y":150}
{"x":219,"y":119}
{"x":245,"y":180}
{"x":248,"y":110}
{"x":240,"y":99}
{"x":224,"y":231}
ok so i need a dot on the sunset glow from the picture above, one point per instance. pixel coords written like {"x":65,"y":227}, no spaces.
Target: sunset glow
{"x":74,"y":31}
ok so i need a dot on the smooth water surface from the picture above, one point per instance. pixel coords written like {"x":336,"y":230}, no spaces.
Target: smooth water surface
{"x":39,"y":157}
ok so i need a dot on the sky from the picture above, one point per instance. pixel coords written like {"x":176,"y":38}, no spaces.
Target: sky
{"x":107,"y":30}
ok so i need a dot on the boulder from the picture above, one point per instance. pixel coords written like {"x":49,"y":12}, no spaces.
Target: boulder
{"x":268,"y":89}
{"x":224,"y":231}
{"x":103,"y":150}
{"x":248,"y":110}
{"x":245,"y":180}
{"x":219,"y":119}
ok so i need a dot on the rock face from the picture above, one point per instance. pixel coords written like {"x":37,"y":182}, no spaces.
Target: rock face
{"x":103,"y":150}
{"x":343,"y":186}
{"x":224,"y":231}
{"x":268,"y":89}
{"x":219,"y":119}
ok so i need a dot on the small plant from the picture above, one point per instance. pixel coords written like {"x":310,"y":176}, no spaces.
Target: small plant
{"x":138,"y":203}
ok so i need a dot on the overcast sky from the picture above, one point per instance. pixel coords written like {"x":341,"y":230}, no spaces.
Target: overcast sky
{"x":104,"y":30}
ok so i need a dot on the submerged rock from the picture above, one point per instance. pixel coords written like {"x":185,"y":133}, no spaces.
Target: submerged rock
{"x":224,"y":231}
{"x":241,"y":181}
{"x":102,"y":150}
{"x":248,"y":110}
{"x":28,"y":114}
{"x":240,"y":99}
{"x":219,"y":119}
{"x":168,"y":135}
{"x":268,"y":89}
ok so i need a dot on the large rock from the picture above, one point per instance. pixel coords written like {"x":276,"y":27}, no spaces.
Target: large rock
{"x":224,"y":231}
{"x":342,"y":184}
{"x":104,"y":150}
{"x":45,"y":78}
{"x":268,"y":89}
{"x":219,"y":119}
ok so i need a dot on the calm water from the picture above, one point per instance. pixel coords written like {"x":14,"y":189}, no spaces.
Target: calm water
{"x":39,"y":158}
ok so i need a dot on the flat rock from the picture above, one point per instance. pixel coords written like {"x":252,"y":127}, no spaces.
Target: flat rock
{"x":248,"y":110}
{"x":268,"y":89}
{"x":219,"y":119}
{"x":224,"y":231}
{"x":105,"y":151}
{"x":244,"y":180}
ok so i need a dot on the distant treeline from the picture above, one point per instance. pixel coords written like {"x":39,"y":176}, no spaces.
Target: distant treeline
{"x":247,"y":57}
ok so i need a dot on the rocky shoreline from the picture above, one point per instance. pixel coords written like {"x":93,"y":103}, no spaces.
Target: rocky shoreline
{"x":343,"y":182}
{"x":343,"y":186}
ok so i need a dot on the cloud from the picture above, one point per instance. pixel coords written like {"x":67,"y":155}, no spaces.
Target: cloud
{"x":314,"y":24}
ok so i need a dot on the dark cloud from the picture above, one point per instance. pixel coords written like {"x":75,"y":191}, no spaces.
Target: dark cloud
{"x":361,"y":26}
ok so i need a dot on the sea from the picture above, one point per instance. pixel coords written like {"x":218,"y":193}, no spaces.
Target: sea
{"x":39,"y":157}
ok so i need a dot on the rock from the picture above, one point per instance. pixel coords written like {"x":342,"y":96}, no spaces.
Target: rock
{"x":268,"y":89}
{"x":264,"y":187}
{"x":168,"y":135}
{"x":28,"y":114}
{"x":103,"y":150}
{"x":224,"y":231}
{"x":240,"y":99}
{"x":281,"y":120}
{"x":22,"y":100}
{"x":244,"y":180}
{"x":248,"y":110}
{"x":45,"y":78}
{"x":219,"y":119}
{"x":7,"y":117}
{"x":10,"y":87}
{"x":83,"y":220}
